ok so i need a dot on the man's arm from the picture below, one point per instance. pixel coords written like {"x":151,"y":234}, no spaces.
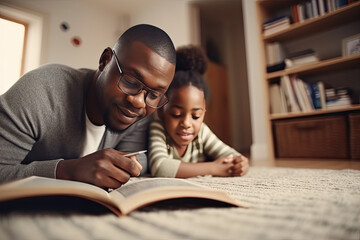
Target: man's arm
{"x":18,"y":133}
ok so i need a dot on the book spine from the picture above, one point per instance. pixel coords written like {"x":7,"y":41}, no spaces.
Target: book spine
{"x":276,"y":67}
{"x":326,"y":7}
{"x":307,"y":94}
{"x":294,"y":13}
{"x":314,"y":5}
{"x":322,"y":94}
{"x":276,"y":99}
{"x":309,"y":13}
{"x":321,"y":7}
{"x":276,"y":29}
{"x":289,"y":94}
{"x":300,"y":11}
{"x":315,"y":95}
{"x":342,"y":3}
{"x":296,"y":83}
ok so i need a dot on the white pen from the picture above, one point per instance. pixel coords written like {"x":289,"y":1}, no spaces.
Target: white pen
{"x":135,"y":153}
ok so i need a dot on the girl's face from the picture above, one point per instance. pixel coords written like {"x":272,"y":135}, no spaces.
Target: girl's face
{"x":183,"y":115}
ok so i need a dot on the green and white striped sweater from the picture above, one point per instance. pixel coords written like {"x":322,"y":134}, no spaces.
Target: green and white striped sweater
{"x":164,"y":159}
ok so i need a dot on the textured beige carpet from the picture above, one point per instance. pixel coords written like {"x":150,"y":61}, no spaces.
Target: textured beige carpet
{"x":286,"y":204}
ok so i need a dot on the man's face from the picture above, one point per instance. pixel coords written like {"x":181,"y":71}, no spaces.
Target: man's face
{"x":118,"y":109}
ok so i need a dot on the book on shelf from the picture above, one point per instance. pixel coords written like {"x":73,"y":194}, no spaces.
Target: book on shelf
{"x":129,"y":197}
{"x":294,"y":13}
{"x":330,"y":5}
{"x":289,"y":93}
{"x":301,"y":58}
{"x":275,"y":53}
{"x":296,"y":95}
{"x":302,"y":94}
{"x":275,"y":56}
{"x":276,"y":24}
{"x":321,"y":88}
{"x":343,"y":101}
{"x":315,"y":8}
{"x":277,"y":99}
{"x":301,"y":12}
{"x":315,"y":95}
{"x":276,"y":67}
{"x":274,"y":20}
{"x":308,"y":10}
{"x":338,"y":97}
{"x":322,"y":9}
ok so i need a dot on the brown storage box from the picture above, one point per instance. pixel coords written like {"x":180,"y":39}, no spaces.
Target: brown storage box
{"x":354,"y":124}
{"x":315,"y":137}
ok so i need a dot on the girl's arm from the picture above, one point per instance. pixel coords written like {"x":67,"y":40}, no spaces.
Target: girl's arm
{"x":221,"y":167}
{"x":213,"y":146}
{"x":161,"y":163}
{"x":227,"y":161}
{"x":217,"y":149}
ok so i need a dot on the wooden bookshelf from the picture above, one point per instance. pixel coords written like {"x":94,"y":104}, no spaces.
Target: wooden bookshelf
{"x":346,"y":67}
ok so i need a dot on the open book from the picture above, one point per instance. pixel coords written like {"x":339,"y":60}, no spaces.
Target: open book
{"x":129,"y":197}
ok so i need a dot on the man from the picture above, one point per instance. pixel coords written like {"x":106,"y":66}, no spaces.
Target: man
{"x":64,"y":123}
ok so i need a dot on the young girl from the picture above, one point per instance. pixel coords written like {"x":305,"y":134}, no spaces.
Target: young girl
{"x":181,"y":144}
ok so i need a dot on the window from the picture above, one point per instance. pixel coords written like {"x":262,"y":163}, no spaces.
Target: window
{"x":12,"y":49}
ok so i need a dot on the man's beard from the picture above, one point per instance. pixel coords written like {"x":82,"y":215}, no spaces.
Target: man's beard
{"x":110,"y":126}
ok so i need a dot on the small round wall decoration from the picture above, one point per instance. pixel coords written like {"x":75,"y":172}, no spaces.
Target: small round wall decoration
{"x":76,"y":41}
{"x":64,"y":26}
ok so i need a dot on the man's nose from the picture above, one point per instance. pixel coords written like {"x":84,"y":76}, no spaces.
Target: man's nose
{"x":138,"y":100}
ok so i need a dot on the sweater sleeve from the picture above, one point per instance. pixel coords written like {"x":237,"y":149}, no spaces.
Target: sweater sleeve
{"x":161,"y":163}
{"x":19,"y":131}
{"x":41,"y":118}
{"x":213,"y":146}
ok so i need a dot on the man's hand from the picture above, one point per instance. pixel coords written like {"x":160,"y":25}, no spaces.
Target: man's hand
{"x":107,"y":168}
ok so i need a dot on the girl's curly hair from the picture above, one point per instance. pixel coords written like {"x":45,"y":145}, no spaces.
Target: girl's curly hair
{"x":191,"y":64}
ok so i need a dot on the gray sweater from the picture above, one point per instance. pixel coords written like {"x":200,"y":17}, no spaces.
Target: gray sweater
{"x":42,"y":121}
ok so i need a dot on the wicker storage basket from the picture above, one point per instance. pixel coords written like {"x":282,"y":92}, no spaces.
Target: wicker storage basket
{"x":354,"y":124}
{"x":315,"y":137}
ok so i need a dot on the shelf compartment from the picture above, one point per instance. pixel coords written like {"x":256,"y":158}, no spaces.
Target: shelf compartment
{"x":334,"y":64}
{"x":314,"y":112}
{"x":314,"y":25}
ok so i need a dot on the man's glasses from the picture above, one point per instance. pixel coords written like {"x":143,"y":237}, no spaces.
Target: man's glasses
{"x":132,"y":86}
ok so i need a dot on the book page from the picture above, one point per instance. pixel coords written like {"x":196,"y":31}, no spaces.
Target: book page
{"x":41,"y":186}
{"x":148,"y":184}
{"x":141,"y":193}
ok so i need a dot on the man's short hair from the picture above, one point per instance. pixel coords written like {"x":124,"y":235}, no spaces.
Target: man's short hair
{"x":153,"y":37}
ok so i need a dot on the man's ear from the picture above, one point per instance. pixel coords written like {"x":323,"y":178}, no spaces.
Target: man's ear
{"x":105,"y":58}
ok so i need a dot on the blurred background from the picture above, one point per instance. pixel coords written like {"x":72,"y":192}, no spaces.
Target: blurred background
{"x":75,"y":32}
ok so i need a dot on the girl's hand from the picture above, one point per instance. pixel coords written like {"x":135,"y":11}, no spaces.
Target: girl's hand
{"x":222,"y":167}
{"x":240,"y":166}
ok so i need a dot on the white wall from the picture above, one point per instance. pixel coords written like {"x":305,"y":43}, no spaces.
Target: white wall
{"x":173,"y":16}
{"x":97,"y":27}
